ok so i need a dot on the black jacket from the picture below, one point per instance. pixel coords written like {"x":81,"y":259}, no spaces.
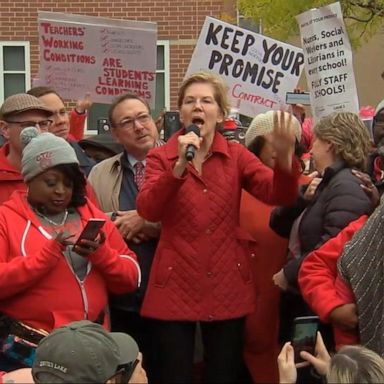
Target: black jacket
{"x":339,"y":199}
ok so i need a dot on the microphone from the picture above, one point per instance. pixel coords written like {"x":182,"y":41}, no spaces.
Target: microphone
{"x":190,"y":153}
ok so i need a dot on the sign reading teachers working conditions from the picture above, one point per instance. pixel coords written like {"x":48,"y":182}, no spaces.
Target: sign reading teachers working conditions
{"x":103,"y":56}
{"x":328,"y":61}
{"x":257,"y":70}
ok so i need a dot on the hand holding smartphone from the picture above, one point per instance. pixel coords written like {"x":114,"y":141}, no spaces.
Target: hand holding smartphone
{"x":90,"y":231}
{"x":304,"y":335}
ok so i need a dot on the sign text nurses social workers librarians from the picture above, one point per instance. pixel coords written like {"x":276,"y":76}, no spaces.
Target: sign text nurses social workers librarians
{"x":328,"y":61}
{"x":258,"y":70}
{"x":106,"y":57}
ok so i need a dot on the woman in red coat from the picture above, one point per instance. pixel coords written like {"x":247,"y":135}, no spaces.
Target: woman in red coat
{"x":200,"y":272}
{"x":268,"y":253}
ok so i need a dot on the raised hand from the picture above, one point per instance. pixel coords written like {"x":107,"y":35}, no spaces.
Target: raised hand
{"x":283,"y":138}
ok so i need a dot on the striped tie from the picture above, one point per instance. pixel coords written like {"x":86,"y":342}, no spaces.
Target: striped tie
{"x":139,"y":174}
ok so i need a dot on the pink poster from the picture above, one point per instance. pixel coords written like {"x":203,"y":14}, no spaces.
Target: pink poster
{"x":105,"y":57}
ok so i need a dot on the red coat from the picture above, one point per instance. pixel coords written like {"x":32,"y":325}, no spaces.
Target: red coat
{"x":10,"y":177}
{"x":318,"y":278}
{"x":268,"y":254}
{"x":200,"y":270}
{"x":37,"y":285}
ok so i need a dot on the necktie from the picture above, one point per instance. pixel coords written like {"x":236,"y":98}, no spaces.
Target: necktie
{"x":139,"y":174}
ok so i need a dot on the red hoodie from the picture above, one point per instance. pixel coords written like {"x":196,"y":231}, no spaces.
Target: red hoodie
{"x":37,"y":285}
{"x":10,"y":177}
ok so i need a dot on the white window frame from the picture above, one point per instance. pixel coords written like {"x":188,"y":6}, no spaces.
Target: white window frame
{"x":27,"y":64}
{"x":166,"y":71}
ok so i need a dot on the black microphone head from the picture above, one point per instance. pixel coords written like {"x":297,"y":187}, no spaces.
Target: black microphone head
{"x":193,"y":128}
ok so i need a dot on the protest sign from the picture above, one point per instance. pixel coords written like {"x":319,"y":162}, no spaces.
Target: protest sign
{"x":328,"y":61}
{"x":103,"y":56}
{"x":258,"y":70}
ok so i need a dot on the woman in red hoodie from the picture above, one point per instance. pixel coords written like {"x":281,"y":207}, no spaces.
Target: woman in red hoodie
{"x":45,"y":281}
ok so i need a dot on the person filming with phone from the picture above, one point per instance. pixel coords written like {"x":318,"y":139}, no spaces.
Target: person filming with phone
{"x":351,"y":364}
{"x":47,"y":281}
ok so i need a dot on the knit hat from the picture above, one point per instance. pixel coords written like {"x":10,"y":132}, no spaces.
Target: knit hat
{"x":262,"y":124}
{"x":43,"y":151}
{"x":82,"y":352}
{"x":22,"y":102}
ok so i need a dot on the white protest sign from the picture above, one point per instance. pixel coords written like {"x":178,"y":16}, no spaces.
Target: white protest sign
{"x":258,"y":70}
{"x":103,"y":56}
{"x":328,"y":61}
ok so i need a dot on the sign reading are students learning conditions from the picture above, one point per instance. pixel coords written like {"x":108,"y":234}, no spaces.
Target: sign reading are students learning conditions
{"x":103,"y":56}
{"x":328,"y":61}
{"x":258,"y":70}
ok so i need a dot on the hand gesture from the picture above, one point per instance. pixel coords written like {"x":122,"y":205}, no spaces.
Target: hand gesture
{"x":312,"y":186}
{"x":64,"y":238}
{"x":368,"y":187}
{"x":84,"y":104}
{"x":139,"y":376}
{"x":283,"y":138}
{"x":321,"y":360}
{"x":189,"y":139}
{"x":86,"y":247}
{"x":129,"y":224}
{"x":280,"y":280}
{"x":286,"y":364}
{"x":184,"y":140}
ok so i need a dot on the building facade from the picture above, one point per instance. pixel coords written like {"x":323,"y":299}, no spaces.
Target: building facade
{"x":179,"y":23}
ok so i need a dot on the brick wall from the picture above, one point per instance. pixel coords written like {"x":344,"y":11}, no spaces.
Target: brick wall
{"x":178,"y":21}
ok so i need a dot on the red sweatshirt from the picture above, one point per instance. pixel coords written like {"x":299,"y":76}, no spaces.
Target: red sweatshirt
{"x":37,"y":285}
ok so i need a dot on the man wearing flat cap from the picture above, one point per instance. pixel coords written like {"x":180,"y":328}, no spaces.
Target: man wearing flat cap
{"x":18,"y":112}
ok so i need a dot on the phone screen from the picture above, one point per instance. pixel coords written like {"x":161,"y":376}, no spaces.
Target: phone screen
{"x":304,"y":336}
{"x":91,"y":230}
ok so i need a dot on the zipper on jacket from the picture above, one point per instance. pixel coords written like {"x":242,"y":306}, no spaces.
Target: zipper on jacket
{"x":82,"y":288}
{"x":85,"y":298}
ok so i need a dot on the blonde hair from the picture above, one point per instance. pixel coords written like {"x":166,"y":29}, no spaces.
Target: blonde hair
{"x":356,"y":364}
{"x":219,"y":87}
{"x":348,"y":136}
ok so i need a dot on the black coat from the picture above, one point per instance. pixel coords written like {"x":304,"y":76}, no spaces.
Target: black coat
{"x":339,"y":199}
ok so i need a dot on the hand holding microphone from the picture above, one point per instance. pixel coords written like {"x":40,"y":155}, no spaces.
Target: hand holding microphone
{"x":188,"y":144}
{"x":190,"y":152}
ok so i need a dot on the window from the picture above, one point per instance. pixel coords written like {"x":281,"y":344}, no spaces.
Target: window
{"x":99,"y":112}
{"x":14,"y":68}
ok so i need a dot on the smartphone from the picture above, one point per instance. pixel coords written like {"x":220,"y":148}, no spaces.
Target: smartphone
{"x":171,"y":123}
{"x":91,"y":230}
{"x":297,"y":98}
{"x":103,"y":126}
{"x":304,"y":335}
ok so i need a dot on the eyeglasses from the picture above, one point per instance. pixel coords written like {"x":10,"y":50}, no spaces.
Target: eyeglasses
{"x":130,"y":123}
{"x":42,"y":124}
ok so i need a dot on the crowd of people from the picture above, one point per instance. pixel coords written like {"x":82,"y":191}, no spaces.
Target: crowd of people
{"x":208,"y":244}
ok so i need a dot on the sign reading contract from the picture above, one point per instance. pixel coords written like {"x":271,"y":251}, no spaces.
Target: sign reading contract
{"x":106,"y":57}
{"x":328,"y":61}
{"x":258,"y":70}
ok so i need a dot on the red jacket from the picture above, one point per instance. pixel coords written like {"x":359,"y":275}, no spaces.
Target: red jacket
{"x":318,"y":276}
{"x":10,"y":177}
{"x":200,"y":270}
{"x":38,"y":287}
{"x":76,"y":125}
